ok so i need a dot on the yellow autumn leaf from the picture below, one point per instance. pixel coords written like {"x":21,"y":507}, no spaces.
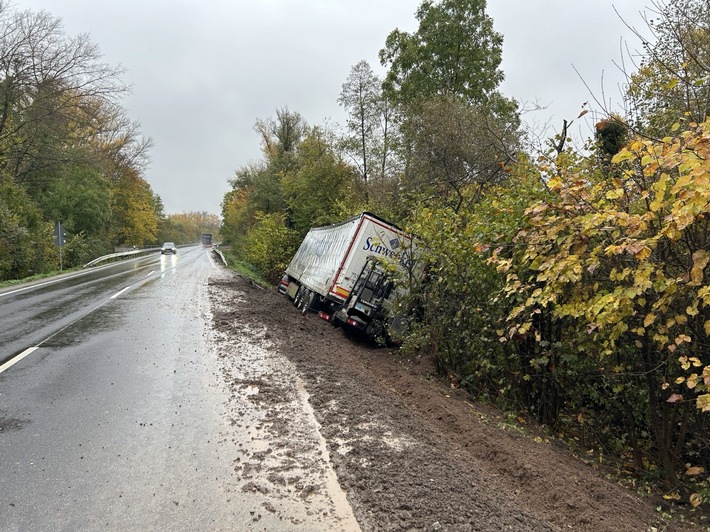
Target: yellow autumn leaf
{"x":623,"y":155}
{"x":555,"y":183}
{"x":694,"y":471}
{"x":707,"y":328}
{"x":650,"y":318}
{"x":703,"y":402}
{"x":700,"y":261}
{"x":644,"y":253}
{"x":681,"y":182}
{"x":682,"y":338}
{"x":696,"y":500}
{"x":693,"y":381}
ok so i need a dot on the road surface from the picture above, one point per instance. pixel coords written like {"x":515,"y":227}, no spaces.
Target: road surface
{"x":115,"y":413}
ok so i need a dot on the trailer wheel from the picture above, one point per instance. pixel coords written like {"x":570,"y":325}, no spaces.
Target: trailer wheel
{"x":307,"y":301}
{"x":297,"y":297}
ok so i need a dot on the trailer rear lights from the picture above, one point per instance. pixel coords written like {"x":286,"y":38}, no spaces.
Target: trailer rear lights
{"x":353,"y":323}
{"x":325,"y":316}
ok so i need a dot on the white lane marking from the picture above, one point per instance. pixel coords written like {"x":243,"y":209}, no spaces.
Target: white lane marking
{"x":19,"y":357}
{"x":63,"y":278}
{"x":114,"y":296}
{"x":39,"y":285}
{"x":30,"y":350}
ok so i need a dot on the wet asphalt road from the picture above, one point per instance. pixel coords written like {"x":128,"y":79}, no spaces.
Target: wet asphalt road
{"x":110,"y":419}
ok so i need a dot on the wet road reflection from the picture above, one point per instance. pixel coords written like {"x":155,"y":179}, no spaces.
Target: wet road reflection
{"x":132,"y":416}
{"x":112,"y":422}
{"x":31,"y":314}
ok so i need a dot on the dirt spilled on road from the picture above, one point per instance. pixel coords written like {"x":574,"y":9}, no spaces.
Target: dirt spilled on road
{"x":410,"y":452}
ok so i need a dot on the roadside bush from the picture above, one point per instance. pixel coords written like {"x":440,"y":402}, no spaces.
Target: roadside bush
{"x":25,"y":239}
{"x":616,"y":259}
{"x":455,"y":310}
{"x":270,"y":245}
{"x":76,"y":252}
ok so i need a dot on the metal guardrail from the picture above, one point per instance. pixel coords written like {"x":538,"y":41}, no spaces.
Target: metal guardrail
{"x":120,"y":256}
{"x":132,"y":253}
{"x":221,"y":255}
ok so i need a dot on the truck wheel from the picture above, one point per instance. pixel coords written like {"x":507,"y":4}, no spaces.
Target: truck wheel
{"x":307,"y":302}
{"x":297,"y":297}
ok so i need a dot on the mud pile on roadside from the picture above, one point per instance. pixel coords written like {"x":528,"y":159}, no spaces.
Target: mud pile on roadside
{"x":414,"y":454}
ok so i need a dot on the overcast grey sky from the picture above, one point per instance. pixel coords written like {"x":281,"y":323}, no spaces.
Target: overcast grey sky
{"x":203,"y":71}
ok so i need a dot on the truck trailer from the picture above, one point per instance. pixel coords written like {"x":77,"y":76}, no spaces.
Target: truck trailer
{"x":338,"y":272}
{"x":206,"y":240}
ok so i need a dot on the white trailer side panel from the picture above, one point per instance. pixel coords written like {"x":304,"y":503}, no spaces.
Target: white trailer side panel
{"x":321,"y":254}
{"x":331,"y":258}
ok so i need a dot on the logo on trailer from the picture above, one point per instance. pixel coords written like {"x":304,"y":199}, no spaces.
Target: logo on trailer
{"x":377,"y":246}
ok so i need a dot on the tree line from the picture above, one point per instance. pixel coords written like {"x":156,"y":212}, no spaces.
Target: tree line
{"x":569,"y":283}
{"x":69,"y":153}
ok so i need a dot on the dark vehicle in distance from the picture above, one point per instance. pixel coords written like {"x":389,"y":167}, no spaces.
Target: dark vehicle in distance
{"x":168,"y":247}
{"x":206,"y":240}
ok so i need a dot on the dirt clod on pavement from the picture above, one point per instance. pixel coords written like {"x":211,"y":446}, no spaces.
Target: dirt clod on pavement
{"x":414,"y":454}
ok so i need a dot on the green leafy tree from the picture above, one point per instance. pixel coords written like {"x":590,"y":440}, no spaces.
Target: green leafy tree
{"x":79,"y":197}
{"x":371,"y":129}
{"x":135,"y":211}
{"x":257,"y":188}
{"x":323,"y":186}
{"x":456,"y":147}
{"x":26,"y":246}
{"x":270,"y":245}
{"x":455,"y":51}
{"x":455,"y":129}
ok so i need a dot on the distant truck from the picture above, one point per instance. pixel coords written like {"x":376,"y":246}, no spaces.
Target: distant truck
{"x":206,"y":240}
{"x":338,"y":272}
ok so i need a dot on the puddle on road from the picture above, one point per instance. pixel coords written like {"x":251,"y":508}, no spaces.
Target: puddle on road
{"x":280,"y":455}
